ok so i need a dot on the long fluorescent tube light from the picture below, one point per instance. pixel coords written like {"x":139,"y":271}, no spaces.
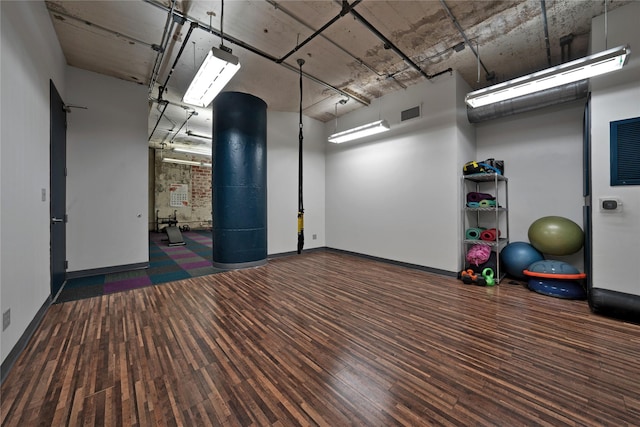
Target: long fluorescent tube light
{"x":580,"y":69}
{"x":192,"y":151}
{"x":360,"y":132}
{"x":218,"y":67}
{"x":186,"y":162}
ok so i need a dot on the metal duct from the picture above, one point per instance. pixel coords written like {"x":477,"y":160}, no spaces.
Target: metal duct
{"x":557,"y":95}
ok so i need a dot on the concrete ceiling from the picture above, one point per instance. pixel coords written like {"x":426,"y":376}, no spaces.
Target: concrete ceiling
{"x":123,"y":38}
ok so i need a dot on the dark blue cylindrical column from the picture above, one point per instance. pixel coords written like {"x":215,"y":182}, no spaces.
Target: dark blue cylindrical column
{"x":239,"y":181}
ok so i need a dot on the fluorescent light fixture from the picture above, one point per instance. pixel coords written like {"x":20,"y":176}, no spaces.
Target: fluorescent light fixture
{"x":218,"y":67}
{"x":580,"y":69}
{"x":360,"y":132}
{"x":186,"y":162}
{"x":202,"y":152}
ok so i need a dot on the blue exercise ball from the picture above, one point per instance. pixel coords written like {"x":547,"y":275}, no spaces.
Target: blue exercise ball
{"x":518,"y":256}
{"x":555,"y":235}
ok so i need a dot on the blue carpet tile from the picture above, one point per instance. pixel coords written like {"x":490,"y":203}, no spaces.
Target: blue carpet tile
{"x":166,"y":264}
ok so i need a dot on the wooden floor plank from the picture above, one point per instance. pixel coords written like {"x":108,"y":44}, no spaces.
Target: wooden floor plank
{"x":326,"y":339}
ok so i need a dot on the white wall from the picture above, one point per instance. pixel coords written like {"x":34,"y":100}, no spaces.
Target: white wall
{"x":107,"y":192}
{"x":282,"y":182}
{"x":396,"y":195}
{"x":542,"y":151}
{"x":466,"y":152}
{"x":615,"y":96}
{"x":30,"y":57}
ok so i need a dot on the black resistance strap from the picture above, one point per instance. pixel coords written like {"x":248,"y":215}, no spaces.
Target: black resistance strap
{"x":300,"y":204}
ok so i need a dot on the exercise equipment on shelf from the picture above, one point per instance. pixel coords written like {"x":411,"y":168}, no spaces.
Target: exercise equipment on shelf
{"x":473,"y":233}
{"x":485,"y":219}
{"x":490,"y":235}
{"x":469,"y":277}
{"x":478,"y":254}
{"x":488,"y":274}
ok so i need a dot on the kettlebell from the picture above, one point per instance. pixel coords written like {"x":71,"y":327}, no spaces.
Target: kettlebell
{"x":487,"y":273}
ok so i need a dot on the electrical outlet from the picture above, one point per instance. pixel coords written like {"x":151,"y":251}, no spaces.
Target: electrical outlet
{"x":6,"y":319}
{"x":314,"y":236}
{"x":44,"y":194}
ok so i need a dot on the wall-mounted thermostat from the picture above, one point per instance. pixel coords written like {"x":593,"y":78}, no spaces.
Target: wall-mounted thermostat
{"x":610,"y":204}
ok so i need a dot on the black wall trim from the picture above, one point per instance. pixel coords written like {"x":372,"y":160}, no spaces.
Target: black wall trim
{"x":106,"y":270}
{"x":615,"y":304}
{"x":17,"y":349}
{"x":286,"y":254}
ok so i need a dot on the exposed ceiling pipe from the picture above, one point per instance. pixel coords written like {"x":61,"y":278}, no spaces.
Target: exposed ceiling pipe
{"x":543,"y":5}
{"x":164,"y":108}
{"x":164,"y":86}
{"x":100,"y":27}
{"x":388,"y":44}
{"x":213,"y":31}
{"x":557,"y":95}
{"x":175,"y":62}
{"x":165,"y":101}
{"x":566,"y":41}
{"x":439,"y":73}
{"x":359,"y":61}
{"x":490,"y":75}
{"x":191,"y":114}
{"x":168,"y":29}
{"x":356,"y":98}
{"x":431,"y":76}
{"x":257,"y":51}
{"x":346,"y":8}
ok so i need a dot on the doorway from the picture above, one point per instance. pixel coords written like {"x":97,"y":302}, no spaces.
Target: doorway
{"x":58,"y":186}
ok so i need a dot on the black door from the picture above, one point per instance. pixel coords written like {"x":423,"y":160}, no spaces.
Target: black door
{"x":586,"y":192}
{"x":58,"y":159}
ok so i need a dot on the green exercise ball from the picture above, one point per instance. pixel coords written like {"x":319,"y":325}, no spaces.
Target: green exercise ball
{"x":555,"y":235}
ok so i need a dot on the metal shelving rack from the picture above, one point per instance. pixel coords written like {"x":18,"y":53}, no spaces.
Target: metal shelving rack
{"x":487,"y":217}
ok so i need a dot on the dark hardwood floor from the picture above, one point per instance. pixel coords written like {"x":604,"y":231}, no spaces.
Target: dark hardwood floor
{"x":326,"y":339}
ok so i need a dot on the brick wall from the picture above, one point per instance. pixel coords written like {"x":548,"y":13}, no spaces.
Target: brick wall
{"x":200,"y":187}
{"x":197,"y":214}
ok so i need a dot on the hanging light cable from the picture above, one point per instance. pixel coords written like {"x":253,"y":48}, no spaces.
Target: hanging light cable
{"x":217,"y":69}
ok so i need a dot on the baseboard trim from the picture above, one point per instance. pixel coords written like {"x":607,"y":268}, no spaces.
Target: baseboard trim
{"x":106,"y":270}
{"x":239,"y":265}
{"x":373,"y":258}
{"x":17,"y":349}
{"x":286,"y":254}
{"x":399,"y":263}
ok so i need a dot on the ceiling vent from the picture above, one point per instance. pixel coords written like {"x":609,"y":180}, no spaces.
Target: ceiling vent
{"x":409,"y":114}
